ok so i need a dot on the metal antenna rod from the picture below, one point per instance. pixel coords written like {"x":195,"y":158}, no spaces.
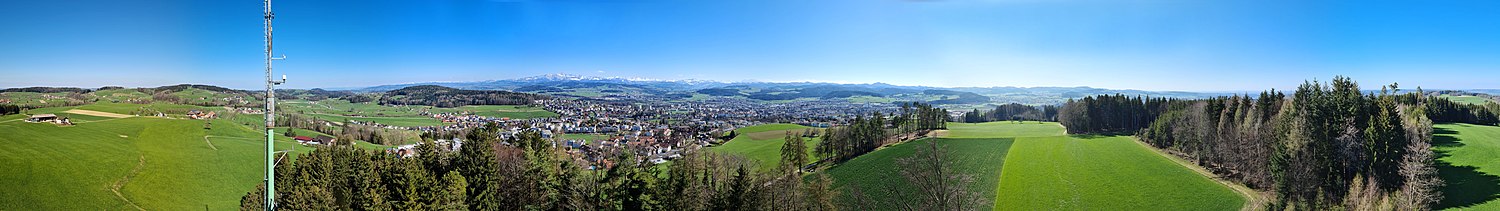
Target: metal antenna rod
{"x":270,"y":115}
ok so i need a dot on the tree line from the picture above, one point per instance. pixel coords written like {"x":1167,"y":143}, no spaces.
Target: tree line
{"x":6,"y":109}
{"x":1327,"y":146}
{"x":433,"y":95}
{"x":1012,"y":112}
{"x":864,"y":134}
{"x":526,"y":172}
{"x":348,"y":131}
{"x":1110,"y":113}
{"x":1444,"y":110}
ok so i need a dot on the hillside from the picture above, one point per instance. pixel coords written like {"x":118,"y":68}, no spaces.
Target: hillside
{"x":762,"y":143}
{"x":432,"y":95}
{"x":1469,"y":163}
{"x":593,"y":87}
{"x":1034,"y":166}
{"x":126,"y":163}
{"x":1113,"y":172}
{"x":203,"y":95}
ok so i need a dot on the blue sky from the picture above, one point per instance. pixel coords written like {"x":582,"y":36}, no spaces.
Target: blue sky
{"x":1150,"y":45}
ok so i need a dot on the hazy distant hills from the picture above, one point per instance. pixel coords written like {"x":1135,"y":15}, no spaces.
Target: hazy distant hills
{"x":584,"y":86}
{"x":606,"y":87}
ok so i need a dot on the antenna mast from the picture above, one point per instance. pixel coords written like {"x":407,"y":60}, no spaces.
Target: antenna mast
{"x":270,"y":115}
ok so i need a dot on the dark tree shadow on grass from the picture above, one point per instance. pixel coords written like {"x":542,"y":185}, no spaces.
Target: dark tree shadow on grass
{"x":1463,"y":185}
{"x":1445,"y":138}
{"x":1466,"y":186}
{"x":1099,"y":135}
{"x":1086,"y":136}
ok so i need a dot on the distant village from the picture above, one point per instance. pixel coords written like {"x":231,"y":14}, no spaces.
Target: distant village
{"x":592,"y":130}
{"x":656,"y":131}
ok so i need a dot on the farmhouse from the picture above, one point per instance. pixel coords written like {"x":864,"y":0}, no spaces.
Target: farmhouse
{"x":320,"y":140}
{"x":42,"y":118}
{"x":324,"y":140}
{"x":50,"y":118}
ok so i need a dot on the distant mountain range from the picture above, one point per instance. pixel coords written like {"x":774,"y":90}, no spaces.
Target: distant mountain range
{"x":589,"y":86}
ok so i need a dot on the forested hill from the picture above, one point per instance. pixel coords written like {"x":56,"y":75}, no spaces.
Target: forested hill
{"x":191,"y":94}
{"x":46,"y":89}
{"x":441,"y":96}
{"x":1324,"y":146}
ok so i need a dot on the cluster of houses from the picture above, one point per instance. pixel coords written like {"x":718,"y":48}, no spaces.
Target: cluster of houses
{"x":409,"y":150}
{"x":655,"y":130}
{"x":199,"y":114}
{"x":244,"y":110}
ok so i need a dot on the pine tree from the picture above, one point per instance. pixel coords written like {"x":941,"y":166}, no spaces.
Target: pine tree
{"x":793,"y":152}
{"x":453,"y":193}
{"x":820,"y":193}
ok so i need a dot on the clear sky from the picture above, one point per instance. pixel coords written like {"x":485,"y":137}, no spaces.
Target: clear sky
{"x":1187,"y":45}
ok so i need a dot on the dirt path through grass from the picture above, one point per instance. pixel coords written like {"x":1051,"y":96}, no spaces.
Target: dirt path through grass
{"x":210,"y":143}
{"x":121,"y":183}
{"x":97,"y":113}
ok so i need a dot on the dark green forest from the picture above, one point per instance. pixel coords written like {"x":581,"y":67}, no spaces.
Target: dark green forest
{"x":1326,"y":146}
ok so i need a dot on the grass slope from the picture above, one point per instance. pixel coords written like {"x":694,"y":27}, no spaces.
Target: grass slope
{"x":762,"y":143}
{"x":1003,"y":130}
{"x":1102,"y":173}
{"x":127,"y":108}
{"x":63,"y":168}
{"x":510,"y":111}
{"x":154,"y":163}
{"x":1468,"y":99}
{"x":1034,"y":166}
{"x":393,"y":121}
{"x":979,"y":157}
{"x":768,"y":127}
{"x":406,"y":116}
{"x":979,"y":149}
{"x":1469,"y":162}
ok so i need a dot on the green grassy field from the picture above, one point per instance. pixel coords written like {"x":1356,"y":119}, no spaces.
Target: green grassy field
{"x":510,"y":111}
{"x":33,"y":99}
{"x":120,"y":95}
{"x":768,"y":127}
{"x":1103,"y":173}
{"x":982,"y":158}
{"x":1034,"y":166}
{"x":393,"y":121}
{"x":127,"y":108}
{"x":978,"y":149}
{"x":1003,"y":130}
{"x":153,"y":163}
{"x":1469,"y":162}
{"x":281,"y":132}
{"x":762,"y":143}
{"x":80,"y":118}
{"x":406,"y":116}
{"x":1468,"y":99}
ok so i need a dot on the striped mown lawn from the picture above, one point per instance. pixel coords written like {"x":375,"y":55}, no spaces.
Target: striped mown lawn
{"x":1103,"y":173}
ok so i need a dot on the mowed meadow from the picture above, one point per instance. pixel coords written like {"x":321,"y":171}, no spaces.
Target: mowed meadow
{"x":132,"y":162}
{"x":1035,"y":166}
{"x":1469,"y":163}
{"x":762,"y":143}
{"x":404,"y":116}
{"x":1103,"y":173}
